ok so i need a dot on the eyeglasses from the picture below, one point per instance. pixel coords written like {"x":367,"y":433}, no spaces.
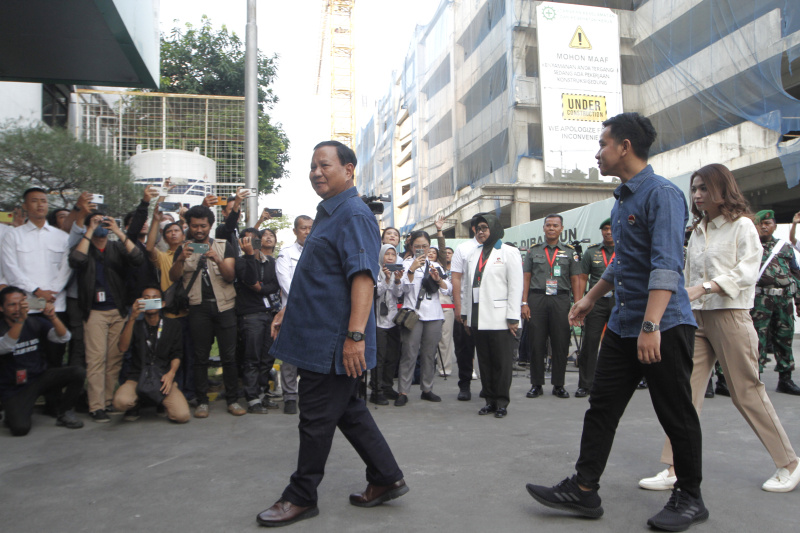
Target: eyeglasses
{"x":482,"y":228}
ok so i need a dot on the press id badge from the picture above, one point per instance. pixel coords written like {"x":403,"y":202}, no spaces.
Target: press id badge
{"x":557,"y":271}
{"x":551,"y":287}
{"x":22,"y":376}
{"x":101,"y":296}
{"x":476,"y":291}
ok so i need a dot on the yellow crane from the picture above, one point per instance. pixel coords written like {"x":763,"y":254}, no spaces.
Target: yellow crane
{"x":337,"y":34}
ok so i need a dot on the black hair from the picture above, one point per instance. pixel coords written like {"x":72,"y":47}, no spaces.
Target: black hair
{"x":88,"y":217}
{"x":634,"y":127}
{"x":417,"y":234}
{"x":555,"y":215}
{"x":448,"y":248}
{"x":383,"y":234}
{"x":52,"y":216}
{"x":9,"y":290}
{"x":164,"y":231}
{"x":274,"y":235}
{"x":345,"y":153}
{"x":301,"y":217}
{"x":199,"y":211}
{"x":253,"y":231}
{"x":30,"y":190}
{"x":128,"y":217}
{"x":151,"y":286}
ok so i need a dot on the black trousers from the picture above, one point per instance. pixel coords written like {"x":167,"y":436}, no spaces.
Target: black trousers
{"x":388,"y":357}
{"x":77,"y":348}
{"x":257,"y":361}
{"x":549,"y":319}
{"x":328,"y":401}
{"x":205,"y":323}
{"x":19,"y":407}
{"x":465,"y":353}
{"x":618,"y":372}
{"x":495,"y":361}
{"x":592,"y":331}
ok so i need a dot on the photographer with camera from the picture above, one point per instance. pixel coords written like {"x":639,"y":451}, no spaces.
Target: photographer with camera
{"x":208,"y":268}
{"x":154,"y":340}
{"x":258,"y":299}
{"x":101,"y":266}
{"x":422,"y":281}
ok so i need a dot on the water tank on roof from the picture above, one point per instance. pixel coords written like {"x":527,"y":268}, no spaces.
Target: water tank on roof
{"x":196,"y":173}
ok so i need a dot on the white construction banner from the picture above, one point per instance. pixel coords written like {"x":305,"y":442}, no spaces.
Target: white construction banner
{"x":580,"y":86}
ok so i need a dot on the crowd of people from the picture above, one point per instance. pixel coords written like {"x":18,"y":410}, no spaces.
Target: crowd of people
{"x":119,"y":317}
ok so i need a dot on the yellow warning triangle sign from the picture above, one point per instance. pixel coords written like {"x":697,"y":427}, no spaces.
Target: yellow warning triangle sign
{"x":579,"y":40}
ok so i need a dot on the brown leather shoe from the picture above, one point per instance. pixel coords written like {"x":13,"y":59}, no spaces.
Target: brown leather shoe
{"x":376,"y":495}
{"x":283,"y":513}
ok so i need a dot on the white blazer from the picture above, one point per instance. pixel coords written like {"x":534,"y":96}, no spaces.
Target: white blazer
{"x":500,"y":293}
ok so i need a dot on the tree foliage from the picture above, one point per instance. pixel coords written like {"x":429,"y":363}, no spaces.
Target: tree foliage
{"x":56,"y":161}
{"x":204,"y":61}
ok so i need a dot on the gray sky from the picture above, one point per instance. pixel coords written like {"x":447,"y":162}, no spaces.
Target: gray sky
{"x":382,"y":29}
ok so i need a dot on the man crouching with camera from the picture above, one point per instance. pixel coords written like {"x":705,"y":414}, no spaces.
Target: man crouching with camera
{"x":156,"y":344}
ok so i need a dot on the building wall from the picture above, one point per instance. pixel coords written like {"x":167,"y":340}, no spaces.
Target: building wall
{"x":20,"y":102}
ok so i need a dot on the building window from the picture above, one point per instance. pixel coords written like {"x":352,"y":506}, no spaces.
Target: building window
{"x":55,"y":105}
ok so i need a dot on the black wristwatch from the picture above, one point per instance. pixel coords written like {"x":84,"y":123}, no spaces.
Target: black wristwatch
{"x":355,"y":335}
{"x":649,"y":327}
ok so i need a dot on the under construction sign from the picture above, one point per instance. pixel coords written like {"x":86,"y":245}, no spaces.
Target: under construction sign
{"x":579,"y":40}
{"x":583,"y":107}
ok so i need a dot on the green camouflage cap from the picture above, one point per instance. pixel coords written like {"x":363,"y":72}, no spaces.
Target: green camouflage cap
{"x":765,"y":214}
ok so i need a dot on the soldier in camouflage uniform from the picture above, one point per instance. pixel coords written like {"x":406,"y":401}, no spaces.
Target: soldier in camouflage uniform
{"x":772,"y":311}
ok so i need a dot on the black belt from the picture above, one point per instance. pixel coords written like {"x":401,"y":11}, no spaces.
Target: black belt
{"x":542,"y":291}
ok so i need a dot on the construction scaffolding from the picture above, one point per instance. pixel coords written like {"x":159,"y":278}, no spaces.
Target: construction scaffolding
{"x":122,"y":121}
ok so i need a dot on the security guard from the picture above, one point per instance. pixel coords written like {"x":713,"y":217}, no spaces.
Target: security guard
{"x":551,"y":270}
{"x":772,"y":309}
{"x":594,"y":262}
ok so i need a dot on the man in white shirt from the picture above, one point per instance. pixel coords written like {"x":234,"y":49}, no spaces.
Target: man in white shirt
{"x":34,"y":254}
{"x":4,"y":230}
{"x":465,"y":344}
{"x":284,"y":269}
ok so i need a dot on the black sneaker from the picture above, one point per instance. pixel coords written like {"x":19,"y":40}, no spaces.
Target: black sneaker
{"x":430,"y":396}
{"x":257,"y":409}
{"x":69,"y":420}
{"x":99,"y":416}
{"x":131,"y":415}
{"x":568,"y":496}
{"x":378,"y":398}
{"x":390,"y":394}
{"x":709,"y":389}
{"x":290,"y":407}
{"x":682,"y":510}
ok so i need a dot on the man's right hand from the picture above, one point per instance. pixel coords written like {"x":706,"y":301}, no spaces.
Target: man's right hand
{"x":247,"y":245}
{"x":210,"y":200}
{"x":579,"y":311}
{"x":796,"y":218}
{"x":137,"y":308}
{"x":150,"y":192}
{"x":525,"y":311}
{"x":275,"y":328}
{"x":49,"y":296}
{"x":24,"y":307}
{"x":84,"y":204}
{"x":186,"y":253}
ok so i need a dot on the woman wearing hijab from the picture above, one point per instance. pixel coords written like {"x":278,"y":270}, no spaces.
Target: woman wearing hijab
{"x":491,"y":293}
{"x":389,"y":289}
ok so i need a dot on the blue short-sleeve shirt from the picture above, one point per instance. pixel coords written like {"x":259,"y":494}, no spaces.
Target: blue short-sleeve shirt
{"x":648,"y":222}
{"x":344,"y":241}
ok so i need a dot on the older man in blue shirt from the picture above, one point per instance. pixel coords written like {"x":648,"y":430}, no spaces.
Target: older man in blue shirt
{"x":650,"y":332}
{"x":327,"y":329}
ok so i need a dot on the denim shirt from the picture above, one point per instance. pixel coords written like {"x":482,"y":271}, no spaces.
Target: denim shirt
{"x":648,"y":222}
{"x":344,"y":241}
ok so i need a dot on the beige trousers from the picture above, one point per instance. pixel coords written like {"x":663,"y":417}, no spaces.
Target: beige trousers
{"x":729,"y":335}
{"x":103,"y":359}
{"x":446,"y":345}
{"x":174,"y":402}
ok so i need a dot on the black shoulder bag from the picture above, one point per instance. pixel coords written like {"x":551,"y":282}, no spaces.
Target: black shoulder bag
{"x":176,"y":297}
{"x":149,"y":385}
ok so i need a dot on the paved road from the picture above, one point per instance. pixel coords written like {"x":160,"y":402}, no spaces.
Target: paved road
{"x":467,"y":473}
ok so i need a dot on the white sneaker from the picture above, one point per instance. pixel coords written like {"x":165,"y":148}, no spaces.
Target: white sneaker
{"x":782,"y":481}
{"x":661,"y":481}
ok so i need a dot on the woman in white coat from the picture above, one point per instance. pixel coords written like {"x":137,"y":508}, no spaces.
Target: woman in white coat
{"x":491,"y":293}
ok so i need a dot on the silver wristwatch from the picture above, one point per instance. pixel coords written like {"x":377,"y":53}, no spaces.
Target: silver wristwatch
{"x":649,"y":327}
{"x":707,"y":287}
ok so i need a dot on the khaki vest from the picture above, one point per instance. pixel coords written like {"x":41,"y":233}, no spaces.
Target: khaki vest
{"x":224,"y":292}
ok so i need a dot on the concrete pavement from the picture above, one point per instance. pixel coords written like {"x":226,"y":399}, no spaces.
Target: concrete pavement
{"x":466,"y":472}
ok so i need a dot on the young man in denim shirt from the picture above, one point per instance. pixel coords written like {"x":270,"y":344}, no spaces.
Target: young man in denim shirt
{"x":650,"y":332}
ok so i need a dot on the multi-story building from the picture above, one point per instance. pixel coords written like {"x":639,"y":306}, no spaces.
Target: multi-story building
{"x":461,"y":128}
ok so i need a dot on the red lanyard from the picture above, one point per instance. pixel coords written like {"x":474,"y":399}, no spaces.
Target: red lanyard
{"x":481,"y":262}
{"x":607,"y":261}
{"x":555,"y":254}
